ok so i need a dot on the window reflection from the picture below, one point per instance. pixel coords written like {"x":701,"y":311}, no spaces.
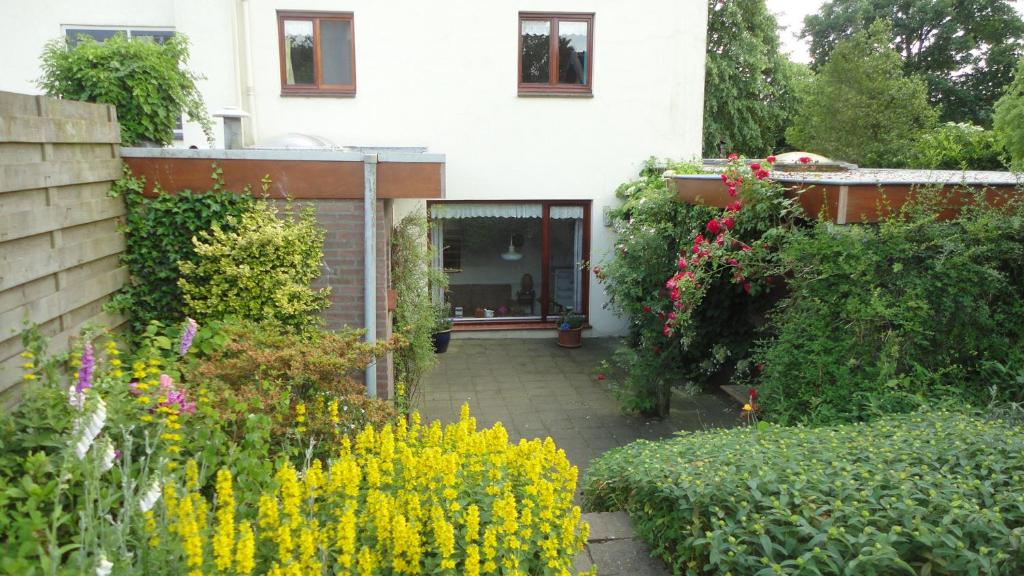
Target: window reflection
{"x":572,"y":52}
{"x":298,"y":52}
{"x":536,"y":38}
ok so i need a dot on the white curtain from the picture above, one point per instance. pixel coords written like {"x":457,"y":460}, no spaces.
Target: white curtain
{"x":437,"y":257}
{"x":448,"y":211}
{"x":577,"y":258}
{"x":567,"y":212}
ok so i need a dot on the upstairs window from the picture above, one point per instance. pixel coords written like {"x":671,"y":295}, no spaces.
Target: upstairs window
{"x":556,"y":53}
{"x":318,"y":55}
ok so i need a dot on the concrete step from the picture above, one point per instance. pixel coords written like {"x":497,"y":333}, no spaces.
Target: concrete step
{"x":615,"y":549}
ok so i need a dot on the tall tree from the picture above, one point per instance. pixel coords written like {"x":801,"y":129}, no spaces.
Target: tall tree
{"x":966,"y":50}
{"x":860,"y":107}
{"x":748,"y":84}
{"x":1009,"y":120}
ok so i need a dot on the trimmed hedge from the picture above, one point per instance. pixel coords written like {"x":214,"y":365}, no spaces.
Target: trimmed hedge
{"x":927,"y":493}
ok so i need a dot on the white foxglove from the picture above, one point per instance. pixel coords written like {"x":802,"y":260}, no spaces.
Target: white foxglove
{"x":108,"y":457}
{"x":104,"y":567}
{"x":151,"y":496}
{"x":76,"y":398}
{"x":88,"y":431}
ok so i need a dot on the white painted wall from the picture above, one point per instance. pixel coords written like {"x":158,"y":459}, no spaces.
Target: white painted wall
{"x":441,"y":75}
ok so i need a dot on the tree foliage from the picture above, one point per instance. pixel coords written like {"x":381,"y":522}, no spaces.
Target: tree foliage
{"x":965,"y":49}
{"x":1009,"y":120}
{"x":748,"y":96}
{"x":149,"y":83}
{"x":860,"y":107}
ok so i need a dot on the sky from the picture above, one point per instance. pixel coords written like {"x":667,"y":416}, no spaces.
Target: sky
{"x":790,"y":14}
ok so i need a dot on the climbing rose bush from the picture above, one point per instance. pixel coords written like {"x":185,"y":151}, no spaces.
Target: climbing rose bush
{"x":737,"y":242}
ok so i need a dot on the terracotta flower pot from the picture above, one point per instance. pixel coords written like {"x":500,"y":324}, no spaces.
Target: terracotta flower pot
{"x":572,"y":338}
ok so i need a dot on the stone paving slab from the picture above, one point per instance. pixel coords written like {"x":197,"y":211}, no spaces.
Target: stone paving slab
{"x":614,"y":548}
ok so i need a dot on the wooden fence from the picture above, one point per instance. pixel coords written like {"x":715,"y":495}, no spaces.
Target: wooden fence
{"x":59,"y":241}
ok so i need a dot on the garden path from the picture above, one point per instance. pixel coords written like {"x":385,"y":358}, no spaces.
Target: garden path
{"x":536,"y":389}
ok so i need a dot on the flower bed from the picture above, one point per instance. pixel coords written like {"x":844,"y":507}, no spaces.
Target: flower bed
{"x":921,"y":494}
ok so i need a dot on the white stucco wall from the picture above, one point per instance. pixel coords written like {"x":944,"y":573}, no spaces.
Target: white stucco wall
{"x":441,"y":75}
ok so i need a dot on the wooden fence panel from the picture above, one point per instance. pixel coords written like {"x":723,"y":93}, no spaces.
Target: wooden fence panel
{"x":58,"y":228}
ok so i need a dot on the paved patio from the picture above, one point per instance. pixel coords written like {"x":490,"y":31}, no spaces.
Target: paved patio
{"x":536,"y":389}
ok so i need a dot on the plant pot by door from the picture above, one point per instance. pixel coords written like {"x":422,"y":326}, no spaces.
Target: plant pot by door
{"x":441,"y":340}
{"x":570,"y":338}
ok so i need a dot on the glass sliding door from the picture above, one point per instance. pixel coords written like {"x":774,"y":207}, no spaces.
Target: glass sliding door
{"x":565,"y":259}
{"x":510,"y":261}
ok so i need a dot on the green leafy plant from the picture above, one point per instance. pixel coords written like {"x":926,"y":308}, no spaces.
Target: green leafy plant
{"x":933,"y":493}
{"x":570,"y":320}
{"x":958,"y":147}
{"x":259,"y":270}
{"x":413,"y":280}
{"x":1009,"y":119}
{"x":158,"y":235}
{"x":885,"y":318}
{"x":149,"y":83}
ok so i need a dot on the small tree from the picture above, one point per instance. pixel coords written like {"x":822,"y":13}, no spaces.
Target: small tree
{"x":260,"y":271}
{"x":149,"y":83}
{"x":860,"y":107}
{"x":412,"y":277}
{"x":1009,"y":120}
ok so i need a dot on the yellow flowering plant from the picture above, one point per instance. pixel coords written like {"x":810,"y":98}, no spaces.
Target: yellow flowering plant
{"x":402,"y":499}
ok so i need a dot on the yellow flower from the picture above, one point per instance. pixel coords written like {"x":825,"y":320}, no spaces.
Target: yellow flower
{"x":191,"y":475}
{"x":28,"y":365}
{"x":747,"y":408}
{"x":30,"y":376}
{"x":332,"y":411}
{"x":27,"y":354}
{"x":224,"y":536}
{"x":246,"y":550}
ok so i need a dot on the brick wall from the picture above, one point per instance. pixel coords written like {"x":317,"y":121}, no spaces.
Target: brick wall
{"x":343,"y":271}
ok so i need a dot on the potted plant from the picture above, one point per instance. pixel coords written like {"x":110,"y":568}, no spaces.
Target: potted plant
{"x":570,"y":329}
{"x":442,"y":327}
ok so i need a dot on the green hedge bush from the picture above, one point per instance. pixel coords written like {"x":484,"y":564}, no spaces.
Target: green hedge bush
{"x":936,"y":493}
{"x":883,"y":319}
{"x":260,"y":271}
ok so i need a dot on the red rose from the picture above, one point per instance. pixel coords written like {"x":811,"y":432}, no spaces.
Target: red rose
{"x":770,"y":159}
{"x":657,"y":349}
{"x":733,"y":262}
{"x":661,"y":315}
{"x":647,"y":309}
{"x":746,"y":287}
{"x":666,"y":330}
{"x":753,"y":394}
{"x":713,"y":226}
{"x":725,"y":177}
{"x":728,"y":223}
{"x":733,"y":156}
{"x":755,"y":167}
{"x":760,"y":367}
{"x":682,"y":263}
{"x":675,"y":294}
{"x":734,"y":207}
{"x":805,"y":159}
{"x":732,"y":191}
{"x":600,"y":377}
{"x":698,"y":239}
{"x":762,"y":174}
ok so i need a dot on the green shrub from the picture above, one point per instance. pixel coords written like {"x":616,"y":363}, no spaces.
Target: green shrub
{"x":882,"y":319}
{"x":261,"y":270}
{"x":413,"y":279}
{"x":149,"y":83}
{"x":158,"y":234}
{"x":931,"y":493}
{"x":953,"y":146}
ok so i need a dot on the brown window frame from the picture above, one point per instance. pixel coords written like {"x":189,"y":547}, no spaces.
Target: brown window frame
{"x":552,"y":87}
{"x":317,"y":89}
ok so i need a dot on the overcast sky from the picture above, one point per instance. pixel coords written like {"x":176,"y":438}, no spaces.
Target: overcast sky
{"x":790,"y":14}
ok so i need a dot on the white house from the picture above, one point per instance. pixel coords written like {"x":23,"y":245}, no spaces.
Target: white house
{"x":541,"y":109}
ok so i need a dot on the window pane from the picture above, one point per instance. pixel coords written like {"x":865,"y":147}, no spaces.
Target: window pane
{"x":97,"y":35}
{"x":536,"y":35}
{"x":566,"y":264}
{"x":573,"y":60}
{"x":336,"y":51}
{"x":158,"y":36}
{"x":298,"y":52}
